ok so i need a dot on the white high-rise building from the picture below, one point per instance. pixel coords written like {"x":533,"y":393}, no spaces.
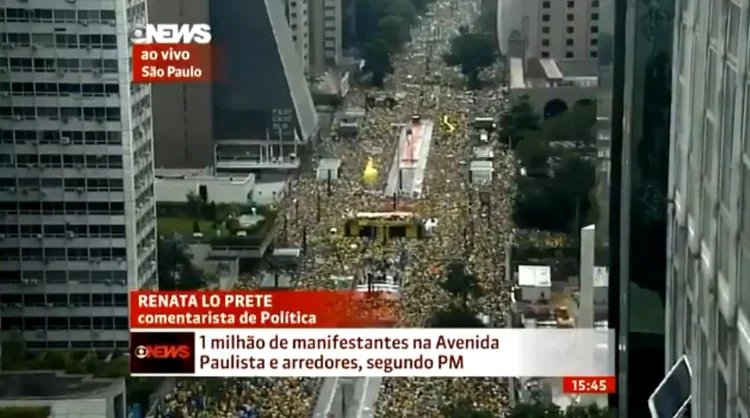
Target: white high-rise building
{"x":558,"y":29}
{"x":326,"y":34}
{"x":708,"y":287}
{"x":297,"y":14}
{"x":77,"y":209}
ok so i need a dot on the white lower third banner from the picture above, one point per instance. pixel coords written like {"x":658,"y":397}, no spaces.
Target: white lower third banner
{"x":369,"y":352}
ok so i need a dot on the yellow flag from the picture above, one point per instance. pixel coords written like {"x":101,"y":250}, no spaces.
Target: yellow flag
{"x":370,"y":175}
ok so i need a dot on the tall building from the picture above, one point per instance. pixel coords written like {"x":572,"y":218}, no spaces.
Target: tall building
{"x":298,"y":16}
{"x":326,"y":34}
{"x":548,"y":28}
{"x":635,"y":51}
{"x":78,"y":226}
{"x":348,"y":24}
{"x":184,"y":128}
{"x":708,"y":290}
{"x":262,"y":108}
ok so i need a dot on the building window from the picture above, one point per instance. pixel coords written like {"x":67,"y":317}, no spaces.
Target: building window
{"x":593,"y":54}
{"x":595,"y":3}
{"x":727,"y":136}
{"x":746,"y":122}
{"x":569,"y":54}
{"x":712,"y":81}
{"x":571,"y":17}
{"x":594,"y":16}
{"x":744,"y":252}
{"x":545,"y":29}
{"x":743,"y":384}
{"x":571,"y":4}
{"x":569,"y":42}
{"x":545,"y":54}
{"x":545,"y":18}
{"x":724,"y":247}
{"x":546,"y":5}
{"x":717,"y":18}
{"x":745,"y":221}
{"x":708,"y":148}
{"x":594,"y":42}
{"x":570,"y":29}
{"x":688,"y":334}
{"x":722,"y":330}
{"x":595,"y":29}
{"x":721,"y":394}
{"x":733,"y":28}
{"x":685,"y":6}
{"x":545,"y":42}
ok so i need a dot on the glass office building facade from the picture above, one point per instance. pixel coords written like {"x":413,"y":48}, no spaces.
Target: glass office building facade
{"x":708,"y":303}
{"x":633,"y":140}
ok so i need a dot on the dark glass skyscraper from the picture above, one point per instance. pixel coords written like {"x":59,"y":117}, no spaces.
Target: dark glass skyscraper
{"x":634,"y":126}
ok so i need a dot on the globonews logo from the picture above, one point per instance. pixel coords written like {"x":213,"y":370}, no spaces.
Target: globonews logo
{"x":170,"y":33}
{"x":162,"y":353}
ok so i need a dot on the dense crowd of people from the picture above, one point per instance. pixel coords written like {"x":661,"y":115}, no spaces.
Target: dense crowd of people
{"x":473,"y":227}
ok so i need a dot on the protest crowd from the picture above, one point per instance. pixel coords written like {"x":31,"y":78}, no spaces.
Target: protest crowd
{"x":473,"y":227}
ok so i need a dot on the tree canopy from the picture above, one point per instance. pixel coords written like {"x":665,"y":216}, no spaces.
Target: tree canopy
{"x":460,"y":283}
{"x":383,"y":26}
{"x":558,"y":158}
{"x":455,"y":317}
{"x":472,"y":52}
{"x":175,"y":269}
{"x":378,"y":63}
{"x":518,"y":122}
{"x":541,"y":410}
{"x":466,"y":409}
{"x":462,"y":286}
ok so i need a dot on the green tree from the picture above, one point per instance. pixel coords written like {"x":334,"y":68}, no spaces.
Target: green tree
{"x":369,"y":13}
{"x":577,"y":177}
{"x":518,"y":121}
{"x":175,"y":269}
{"x":577,"y":125}
{"x":542,"y":410}
{"x":394,"y":31}
{"x":378,"y":63}
{"x":543,"y":204}
{"x":472,"y":52}
{"x":535,"y":410}
{"x":460,"y":283}
{"x":13,"y":351}
{"x":465,"y":408}
{"x":533,"y":152}
{"x":455,"y":317}
{"x":25,"y":412}
{"x":211,"y":212}
{"x":194,"y":206}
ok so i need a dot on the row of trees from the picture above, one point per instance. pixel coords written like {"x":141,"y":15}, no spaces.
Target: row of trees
{"x":558,"y":158}
{"x":16,"y":357}
{"x":463,"y":286}
{"x":466,"y":409}
{"x":383,"y":26}
{"x":472,"y":52}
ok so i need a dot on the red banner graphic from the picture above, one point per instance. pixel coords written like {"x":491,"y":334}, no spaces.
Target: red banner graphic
{"x":257,"y":309}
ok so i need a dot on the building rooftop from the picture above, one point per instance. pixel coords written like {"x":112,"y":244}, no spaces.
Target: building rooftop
{"x":546,"y":72}
{"x":203,"y":175}
{"x":536,"y":276}
{"x":49,"y":384}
